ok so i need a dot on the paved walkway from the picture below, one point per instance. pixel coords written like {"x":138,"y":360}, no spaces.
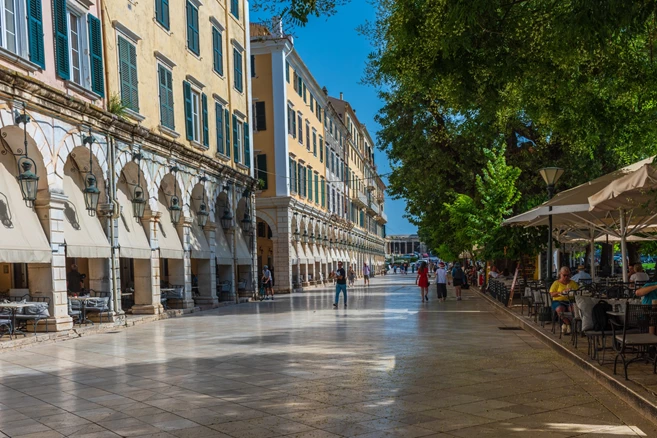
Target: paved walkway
{"x":389,"y":366}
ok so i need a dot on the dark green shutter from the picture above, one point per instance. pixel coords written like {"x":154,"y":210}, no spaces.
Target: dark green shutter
{"x":227,"y":131}
{"x":235,"y":8}
{"x":219,"y":119}
{"x":262,"y":170}
{"x":247,"y":145}
{"x":237,"y":60}
{"x":166,"y":97}
{"x":162,"y":12}
{"x":60,"y":23}
{"x":189,"y":118}
{"x":309,"y":183}
{"x":287,"y":72}
{"x":321,"y":150}
{"x":236,"y":145}
{"x":192,"y":29}
{"x":316,"y":189}
{"x":206,"y":131}
{"x":35,"y":32}
{"x":128,"y":74}
{"x":323,"y":192}
{"x":96,"y":56}
{"x":217,"y":49}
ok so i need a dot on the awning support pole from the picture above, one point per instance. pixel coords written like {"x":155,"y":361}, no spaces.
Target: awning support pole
{"x":592,"y":233}
{"x":623,"y":233}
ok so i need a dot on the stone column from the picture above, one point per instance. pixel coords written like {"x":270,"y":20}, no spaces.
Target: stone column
{"x":50,"y":280}
{"x":207,"y":275}
{"x":147,"y":272}
{"x":184,"y":229}
{"x":230,"y":236}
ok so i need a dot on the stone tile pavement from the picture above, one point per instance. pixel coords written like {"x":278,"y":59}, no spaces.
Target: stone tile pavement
{"x":389,"y":366}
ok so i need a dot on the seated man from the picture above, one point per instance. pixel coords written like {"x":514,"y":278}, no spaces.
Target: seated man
{"x":582,"y":276}
{"x":560,"y":300}
{"x":648,"y":293}
{"x":639,"y":275}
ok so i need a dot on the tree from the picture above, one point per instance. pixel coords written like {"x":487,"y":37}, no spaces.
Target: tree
{"x":571,"y":84}
{"x":297,"y":12}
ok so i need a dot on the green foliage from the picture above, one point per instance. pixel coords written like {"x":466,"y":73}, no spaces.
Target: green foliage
{"x":570,"y":84}
{"x":297,"y":12}
{"x":116,"y":106}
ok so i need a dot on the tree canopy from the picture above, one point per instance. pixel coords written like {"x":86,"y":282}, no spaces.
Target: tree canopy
{"x":297,"y":12}
{"x":558,"y":83}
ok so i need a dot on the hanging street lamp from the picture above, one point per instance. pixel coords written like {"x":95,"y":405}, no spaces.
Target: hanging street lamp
{"x":203,"y":214}
{"x":91,"y":191}
{"x":175,"y":209}
{"x":550,"y":175}
{"x":138,"y":200}
{"x":297,"y":235}
{"x":304,"y":238}
{"x":246,"y":222}
{"x":27,"y":179}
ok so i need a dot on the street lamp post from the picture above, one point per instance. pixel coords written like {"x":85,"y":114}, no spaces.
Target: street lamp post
{"x":550,"y":175}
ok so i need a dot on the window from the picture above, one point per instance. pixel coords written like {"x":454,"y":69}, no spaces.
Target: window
{"x":162,"y":13}
{"x":166,"y":96}
{"x":316,"y":189}
{"x":219,"y":122}
{"x":312,"y":103}
{"x":300,"y":85}
{"x":318,"y":111}
{"x":260,"y":116}
{"x":321,"y":149}
{"x":305,"y":93}
{"x":192,"y":29}
{"x":323,"y":188}
{"x":261,"y":163}
{"x":293,"y":176}
{"x":128,"y":74}
{"x":287,"y":72}
{"x":196,"y":115}
{"x":238,"y":131}
{"x":235,"y":8}
{"x":217,"y":52}
{"x":237,"y":60}
{"x":310,"y":184}
{"x":302,"y":181}
{"x":307,"y":135}
{"x":75,"y":45}
{"x":314,"y":143}
{"x":291,"y":122}
{"x":300,"y":125}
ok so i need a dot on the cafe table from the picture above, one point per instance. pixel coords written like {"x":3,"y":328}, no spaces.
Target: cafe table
{"x":15,"y":306}
{"x":84,"y":300}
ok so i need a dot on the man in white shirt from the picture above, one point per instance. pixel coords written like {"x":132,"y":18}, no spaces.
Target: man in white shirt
{"x":581,"y":276}
{"x":366,"y":274}
{"x":441,"y":282}
{"x":639,"y":275}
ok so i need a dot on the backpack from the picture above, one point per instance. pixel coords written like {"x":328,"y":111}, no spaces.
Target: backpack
{"x":600,"y":317}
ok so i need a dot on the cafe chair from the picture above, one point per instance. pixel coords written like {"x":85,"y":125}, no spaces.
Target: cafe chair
{"x":633,"y":338}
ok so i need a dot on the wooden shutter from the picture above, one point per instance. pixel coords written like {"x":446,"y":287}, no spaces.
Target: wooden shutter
{"x":236,"y":145}
{"x":321,"y":149}
{"x":128,"y":74}
{"x":262,"y":170}
{"x":316,"y":189}
{"x":192,"y":29}
{"x":189,"y":117}
{"x":219,"y":120}
{"x":247,"y":145}
{"x":60,"y":23}
{"x":217,"y":49}
{"x":323,"y":185}
{"x":235,"y":8}
{"x":310,"y":184}
{"x":166,"y":97}
{"x":261,"y":117}
{"x":227,"y":131}
{"x":35,"y":32}
{"x":206,"y":131}
{"x":96,"y":56}
{"x":162,"y":12}
{"x":237,"y":60}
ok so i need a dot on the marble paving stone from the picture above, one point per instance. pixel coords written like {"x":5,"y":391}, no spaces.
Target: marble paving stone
{"x":389,"y":366}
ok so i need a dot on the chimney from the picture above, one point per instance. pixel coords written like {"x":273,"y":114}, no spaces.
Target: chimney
{"x":341,"y":95}
{"x":277,"y":27}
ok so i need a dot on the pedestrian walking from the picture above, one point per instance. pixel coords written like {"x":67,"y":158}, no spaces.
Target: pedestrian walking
{"x":441,"y":282}
{"x":267,"y":283}
{"x":458,"y":278}
{"x":352,"y":276}
{"x":366,"y":275}
{"x":340,"y":285}
{"x":422,"y":280}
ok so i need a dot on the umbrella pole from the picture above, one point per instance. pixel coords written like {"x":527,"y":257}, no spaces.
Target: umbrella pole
{"x":623,"y":234}
{"x":592,"y":232}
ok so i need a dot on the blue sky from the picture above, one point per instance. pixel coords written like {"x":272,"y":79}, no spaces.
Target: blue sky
{"x":336,"y":55}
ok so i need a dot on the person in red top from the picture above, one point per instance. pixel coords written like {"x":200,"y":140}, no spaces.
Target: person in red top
{"x":422,"y":280}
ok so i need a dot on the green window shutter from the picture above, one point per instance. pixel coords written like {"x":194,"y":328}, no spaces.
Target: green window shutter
{"x":189,"y":118}
{"x":206,"y":131}
{"x":247,"y":145}
{"x":236,"y":145}
{"x":227,"y":131}
{"x":237,"y":58}
{"x":321,"y":150}
{"x":305,"y":94}
{"x":299,"y":86}
{"x":128,"y":74}
{"x":295,"y":180}
{"x":315,"y":143}
{"x":287,"y":72}
{"x":219,"y":120}
{"x":262,"y":170}
{"x":60,"y":24}
{"x":310,"y":184}
{"x":96,"y":56}
{"x":35,"y":32}
{"x":162,"y":13}
{"x":323,"y":186}
{"x":217,"y":49}
{"x":235,"y":8}
{"x":166,"y":97}
{"x":192,"y":29}
{"x":316,"y":189}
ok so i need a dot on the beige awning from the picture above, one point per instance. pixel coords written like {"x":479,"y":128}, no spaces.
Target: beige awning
{"x":22,"y":239}
{"x":168,"y":237}
{"x":294,"y":257}
{"x":132,"y":236}
{"x":329,"y":255}
{"x":303,"y":257}
{"x":223,"y":251}
{"x":243,"y":253}
{"x":316,"y":255}
{"x":197,"y":241}
{"x":83,"y":234}
{"x":334,"y":255}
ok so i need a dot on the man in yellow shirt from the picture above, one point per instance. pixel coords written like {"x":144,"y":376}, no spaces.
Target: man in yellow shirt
{"x":560,"y":300}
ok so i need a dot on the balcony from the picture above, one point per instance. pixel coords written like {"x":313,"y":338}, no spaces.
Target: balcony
{"x":359,"y":198}
{"x":372,"y":207}
{"x":381,"y":218}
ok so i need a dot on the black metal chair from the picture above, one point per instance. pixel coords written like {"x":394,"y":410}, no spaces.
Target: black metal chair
{"x":35,"y":314}
{"x":99,"y":305}
{"x":635,"y":338}
{"x":75,"y":314}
